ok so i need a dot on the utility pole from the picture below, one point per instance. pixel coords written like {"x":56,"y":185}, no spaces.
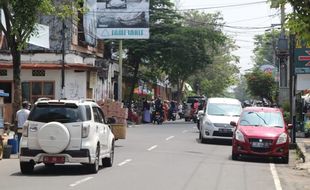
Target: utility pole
{"x":120,"y":76}
{"x":283,"y":63}
{"x":292,"y":87}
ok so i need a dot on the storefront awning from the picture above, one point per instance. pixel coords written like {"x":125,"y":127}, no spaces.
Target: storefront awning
{"x":187,"y":87}
{"x":51,"y":66}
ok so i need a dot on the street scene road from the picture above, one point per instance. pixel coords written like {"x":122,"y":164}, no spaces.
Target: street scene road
{"x":167,"y":156}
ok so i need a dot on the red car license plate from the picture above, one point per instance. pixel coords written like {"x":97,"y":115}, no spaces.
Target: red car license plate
{"x":259,"y":145}
{"x":54,"y":159}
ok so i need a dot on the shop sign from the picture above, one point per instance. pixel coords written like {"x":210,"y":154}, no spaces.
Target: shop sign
{"x":302,"y":60}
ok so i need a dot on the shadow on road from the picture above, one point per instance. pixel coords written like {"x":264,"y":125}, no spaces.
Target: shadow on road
{"x":58,"y":170}
{"x":216,"y":142}
{"x":245,"y":158}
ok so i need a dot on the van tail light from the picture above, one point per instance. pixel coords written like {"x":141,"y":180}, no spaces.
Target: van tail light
{"x":25,"y":129}
{"x":85,"y":130}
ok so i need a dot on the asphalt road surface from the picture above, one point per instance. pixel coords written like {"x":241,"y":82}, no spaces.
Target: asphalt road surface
{"x":162,"y":157}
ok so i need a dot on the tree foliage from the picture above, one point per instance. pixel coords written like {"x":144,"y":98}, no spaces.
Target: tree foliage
{"x":163,"y":20}
{"x":264,"y":48}
{"x":298,"y":21}
{"x":241,"y":92}
{"x":214,"y":79}
{"x":193,"y":46}
{"x":179,"y":45}
{"x":261,"y":84}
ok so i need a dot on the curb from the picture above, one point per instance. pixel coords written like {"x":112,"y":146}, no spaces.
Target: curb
{"x":304,"y":162}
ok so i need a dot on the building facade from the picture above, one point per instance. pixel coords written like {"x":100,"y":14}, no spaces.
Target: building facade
{"x":73,"y":66}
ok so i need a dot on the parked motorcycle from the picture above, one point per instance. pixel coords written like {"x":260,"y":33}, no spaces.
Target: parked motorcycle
{"x":194,"y":115}
{"x":157,"y":118}
{"x":172,"y":115}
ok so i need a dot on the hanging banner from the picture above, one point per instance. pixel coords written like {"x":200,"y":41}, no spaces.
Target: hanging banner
{"x":122,"y":19}
{"x":89,"y":22}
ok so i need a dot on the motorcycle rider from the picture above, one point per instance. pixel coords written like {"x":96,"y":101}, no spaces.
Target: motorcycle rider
{"x":172,"y":109}
{"x":158,"y":108}
{"x":194,"y":110}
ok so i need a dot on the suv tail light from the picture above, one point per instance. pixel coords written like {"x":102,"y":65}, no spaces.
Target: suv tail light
{"x":85,"y":130}
{"x":25,"y":129}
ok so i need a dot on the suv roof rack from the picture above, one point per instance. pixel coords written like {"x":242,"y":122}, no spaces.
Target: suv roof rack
{"x":43,"y":99}
{"x":88,"y":100}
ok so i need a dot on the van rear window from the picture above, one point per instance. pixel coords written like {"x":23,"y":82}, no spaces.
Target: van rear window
{"x":60,"y":113}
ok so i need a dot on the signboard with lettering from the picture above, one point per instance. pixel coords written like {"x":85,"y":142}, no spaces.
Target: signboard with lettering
{"x":302,"y":60}
{"x":122,"y":19}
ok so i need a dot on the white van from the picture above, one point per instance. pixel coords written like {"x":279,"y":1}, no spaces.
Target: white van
{"x":217,"y":116}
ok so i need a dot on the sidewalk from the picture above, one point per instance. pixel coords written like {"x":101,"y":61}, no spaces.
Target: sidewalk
{"x":303,"y":145}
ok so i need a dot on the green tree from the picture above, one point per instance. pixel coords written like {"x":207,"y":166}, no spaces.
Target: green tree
{"x":214,"y":79}
{"x":241,"y":92}
{"x":298,"y":21}
{"x":20,"y":17}
{"x":163,"y":20}
{"x":264,"y":50}
{"x":193,"y":47}
{"x":261,"y":84}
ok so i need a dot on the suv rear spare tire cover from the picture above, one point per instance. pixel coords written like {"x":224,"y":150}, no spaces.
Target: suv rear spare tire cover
{"x":53,"y":137}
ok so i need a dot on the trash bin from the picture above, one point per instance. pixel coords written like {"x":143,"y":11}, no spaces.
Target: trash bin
{"x":14,"y":144}
{"x":7,"y":151}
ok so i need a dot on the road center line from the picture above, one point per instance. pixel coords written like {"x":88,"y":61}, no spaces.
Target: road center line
{"x":171,"y":137}
{"x":275,"y":176}
{"x":125,"y":162}
{"x":80,"y":181}
{"x":185,"y":131}
{"x":152,"y":147}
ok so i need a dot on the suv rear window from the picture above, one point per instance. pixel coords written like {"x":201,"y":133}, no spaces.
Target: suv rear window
{"x":60,"y":113}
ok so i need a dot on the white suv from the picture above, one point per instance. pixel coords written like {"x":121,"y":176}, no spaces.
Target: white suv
{"x":66,"y":131}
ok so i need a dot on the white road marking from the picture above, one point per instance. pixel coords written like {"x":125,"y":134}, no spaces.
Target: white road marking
{"x":80,"y":181}
{"x":151,"y":148}
{"x":185,"y":131}
{"x":171,"y":137}
{"x":275,"y":176}
{"x":125,"y":162}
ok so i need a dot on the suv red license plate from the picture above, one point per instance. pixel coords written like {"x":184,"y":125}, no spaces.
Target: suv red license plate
{"x":54,"y":159}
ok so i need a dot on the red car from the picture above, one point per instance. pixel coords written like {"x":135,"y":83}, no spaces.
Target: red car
{"x":261,"y":131}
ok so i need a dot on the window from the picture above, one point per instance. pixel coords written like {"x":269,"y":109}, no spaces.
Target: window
{"x":60,"y":113}
{"x":33,"y":90}
{"x":98,"y":115}
{"x":3,"y":72}
{"x":36,"y":73}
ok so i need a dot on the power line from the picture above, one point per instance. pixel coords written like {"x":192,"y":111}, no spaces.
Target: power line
{"x":225,"y":6}
{"x":256,"y":18}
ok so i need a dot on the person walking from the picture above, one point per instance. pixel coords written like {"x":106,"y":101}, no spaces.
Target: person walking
{"x":21,"y":117}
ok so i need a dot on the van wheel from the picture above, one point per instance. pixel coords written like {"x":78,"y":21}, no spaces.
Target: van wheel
{"x":108,"y":162}
{"x":26,"y":167}
{"x":93,"y":168}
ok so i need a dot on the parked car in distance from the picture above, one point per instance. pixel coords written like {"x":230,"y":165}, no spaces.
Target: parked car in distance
{"x":66,"y":131}
{"x":215,"y":122}
{"x":261,"y":131}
